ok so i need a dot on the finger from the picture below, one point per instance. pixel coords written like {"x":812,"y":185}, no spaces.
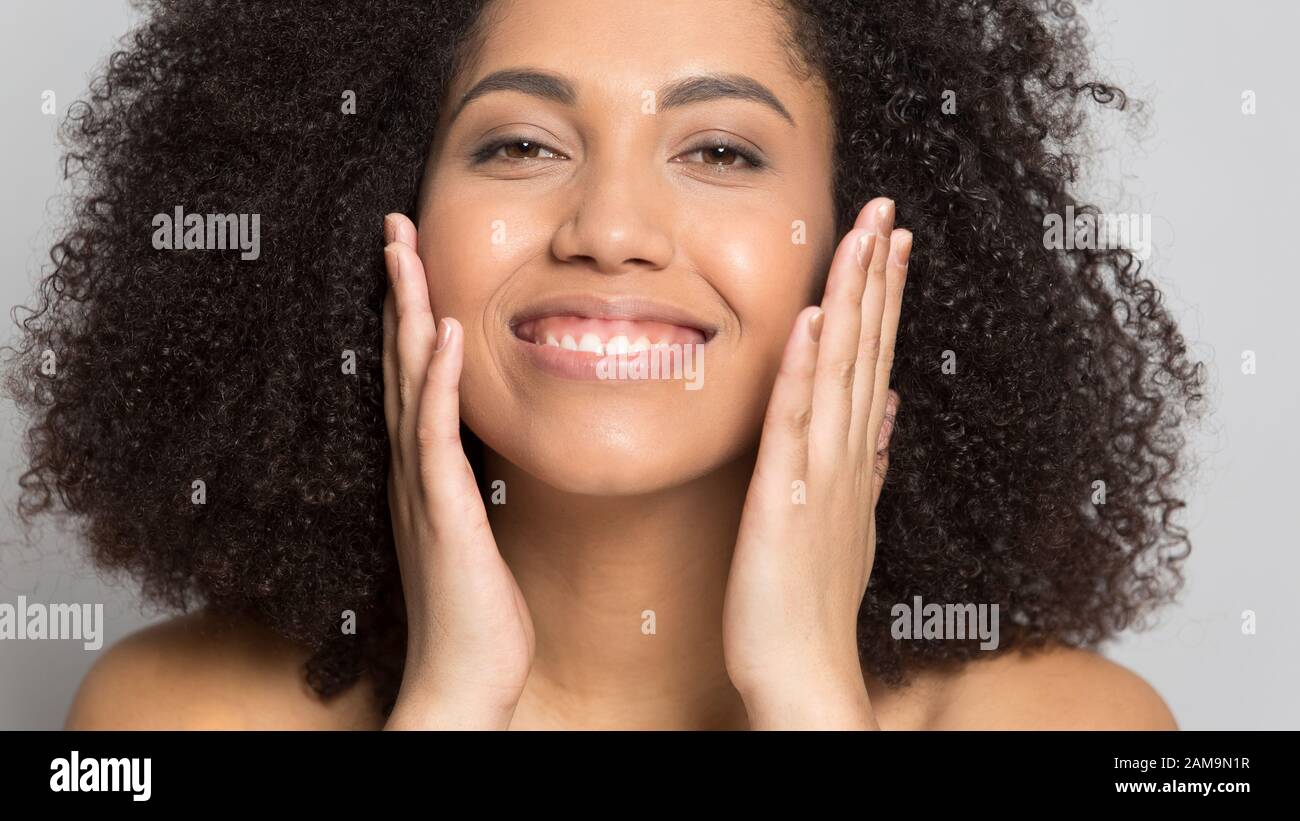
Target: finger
{"x":392,"y":404}
{"x":833,"y":381}
{"x":415,"y":330}
{"x":783,"y":448}
{"x":878,"y":480}
{"x":390,"y":337}
{"x":443,"y":464}
{"x":399,"y":228}
{"x":837,"y":365}
{"x":881,"y":309}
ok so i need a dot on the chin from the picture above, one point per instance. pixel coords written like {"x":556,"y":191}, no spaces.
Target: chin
{"x":615,"y":456}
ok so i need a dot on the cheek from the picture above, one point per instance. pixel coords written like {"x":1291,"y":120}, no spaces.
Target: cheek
{"x":473,"y":247}
{"x":466,"y":252}
{"x":765,"y":274}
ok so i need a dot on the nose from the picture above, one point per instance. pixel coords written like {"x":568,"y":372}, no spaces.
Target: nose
{"x":620,"y":220}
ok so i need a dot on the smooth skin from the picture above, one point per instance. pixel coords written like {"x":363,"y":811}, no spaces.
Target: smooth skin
{"x":210,"y":671}
{"x":626,"y":500}
{"x":799,"y":571}
{"x":470,"y":636}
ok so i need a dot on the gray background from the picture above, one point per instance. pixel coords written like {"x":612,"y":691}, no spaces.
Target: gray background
{"x":1221,"y":190}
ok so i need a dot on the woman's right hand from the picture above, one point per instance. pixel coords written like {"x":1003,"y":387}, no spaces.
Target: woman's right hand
{"x":470,"y":637}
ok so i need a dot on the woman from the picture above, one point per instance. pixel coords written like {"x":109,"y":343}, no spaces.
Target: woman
{"x":484,"y":521}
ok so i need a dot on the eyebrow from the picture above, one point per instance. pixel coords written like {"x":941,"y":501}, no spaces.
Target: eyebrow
{"x":673,"y":94}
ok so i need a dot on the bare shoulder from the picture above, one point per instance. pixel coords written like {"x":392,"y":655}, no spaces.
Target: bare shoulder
{"x":1056,"y":688}
{"x":204,"y":671}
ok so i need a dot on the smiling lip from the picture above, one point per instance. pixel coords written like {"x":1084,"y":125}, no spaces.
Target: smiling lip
{"x":568,"y":335}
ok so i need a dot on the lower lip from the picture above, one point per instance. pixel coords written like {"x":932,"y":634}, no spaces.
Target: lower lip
{"x":564,"y":363}
{"x":576,"y":365}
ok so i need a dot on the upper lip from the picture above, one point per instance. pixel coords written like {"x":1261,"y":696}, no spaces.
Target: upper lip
{"x":593,"y":306}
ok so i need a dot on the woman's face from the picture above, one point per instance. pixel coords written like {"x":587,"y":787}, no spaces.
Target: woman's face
{"x":611,"y":212}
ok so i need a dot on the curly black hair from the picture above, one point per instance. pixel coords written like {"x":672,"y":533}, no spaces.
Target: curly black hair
{"x":171,"y":368}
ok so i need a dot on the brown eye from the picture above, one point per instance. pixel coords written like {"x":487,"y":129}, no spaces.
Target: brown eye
{"x":529,"y":151}
{"x":719,"y":155}
{"x":722,"y":155}
{"x":514,"y":149}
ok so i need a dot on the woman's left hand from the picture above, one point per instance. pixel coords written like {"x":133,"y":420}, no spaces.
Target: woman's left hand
{"x":807,"y":536}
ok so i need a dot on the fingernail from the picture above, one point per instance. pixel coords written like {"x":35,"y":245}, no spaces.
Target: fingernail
{"x":884,"y":218}
{"x":444,"y":334}
{"x":392,"y":264}
{"x":390,"y":229}
{"x":866,"y":247}
{"x":870,"y":224}
{"x":815,"y":324}
{"x":901,"y":249}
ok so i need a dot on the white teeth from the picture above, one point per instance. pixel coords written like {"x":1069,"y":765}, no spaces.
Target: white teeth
{"x":592,"y":343}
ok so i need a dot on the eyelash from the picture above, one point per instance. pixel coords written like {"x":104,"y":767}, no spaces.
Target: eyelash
{"x":486,"y":153}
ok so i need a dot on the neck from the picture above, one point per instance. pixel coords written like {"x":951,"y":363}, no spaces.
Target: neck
{"x":626,"y":596}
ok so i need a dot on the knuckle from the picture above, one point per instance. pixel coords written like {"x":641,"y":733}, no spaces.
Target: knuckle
{"x":844,"y":288}
{"x":887,"y":357}
{"x":793,"y":373}
{"x":404,"y":389}
{"x":843,"y":373}
{"x":446,"y":382}
{"x":800,"y":421}
{"x":430,"y":436}
{"x":871,"y":345}
{"x":421,"y":336}
{"x":880,"y":262}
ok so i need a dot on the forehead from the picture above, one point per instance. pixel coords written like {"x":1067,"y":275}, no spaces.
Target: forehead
{"x":619,"y":49}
